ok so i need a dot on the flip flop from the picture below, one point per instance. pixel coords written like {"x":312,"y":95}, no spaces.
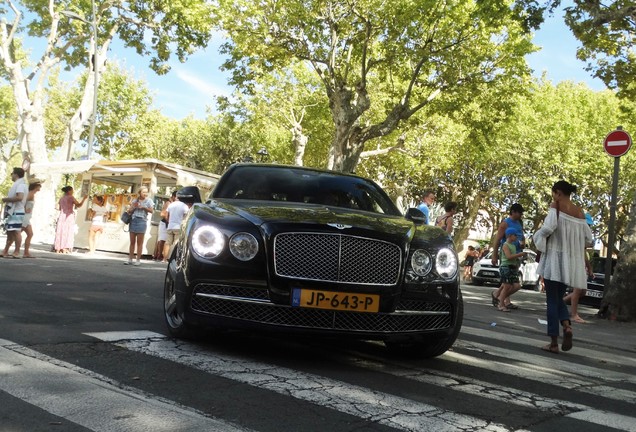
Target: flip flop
{"x":579,"y":320}
{"x":512,"y":306}
{"x":28,"y":256}
{"x":567,"y":339}
{"x":503,"y":309}
{"x":554,"y":349}
{"x":495,"y":300}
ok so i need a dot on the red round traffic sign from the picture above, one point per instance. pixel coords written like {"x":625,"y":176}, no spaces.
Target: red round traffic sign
{"x":617,"y":143}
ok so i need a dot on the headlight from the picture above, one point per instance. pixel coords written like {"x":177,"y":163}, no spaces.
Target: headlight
{"x":207,"y":241}
{"x":446,"y":263}
{"x":243,"y":246}
{"x":421,"y":262}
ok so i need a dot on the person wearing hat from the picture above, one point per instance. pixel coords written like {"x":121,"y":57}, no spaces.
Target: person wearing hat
{"x":34,"y":187}
{"x":512,"y":221}
{"x":509,"y":268}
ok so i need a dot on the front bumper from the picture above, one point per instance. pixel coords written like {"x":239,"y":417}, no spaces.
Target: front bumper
{"x":239,"y":307}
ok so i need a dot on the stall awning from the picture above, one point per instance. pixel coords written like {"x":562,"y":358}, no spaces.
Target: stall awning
{"x":49,"y":169}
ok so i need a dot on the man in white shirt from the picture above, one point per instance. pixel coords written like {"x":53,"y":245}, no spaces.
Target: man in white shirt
{"x":15,"y":210}
{"x":175,"y":214}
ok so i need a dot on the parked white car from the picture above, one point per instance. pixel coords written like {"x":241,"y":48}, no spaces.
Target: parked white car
{"x":484,"y":272}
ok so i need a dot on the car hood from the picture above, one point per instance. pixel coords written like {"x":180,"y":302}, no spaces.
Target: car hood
{"x":272,"y":217}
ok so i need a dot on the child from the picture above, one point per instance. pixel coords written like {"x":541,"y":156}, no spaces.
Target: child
{"x":509,"y":268}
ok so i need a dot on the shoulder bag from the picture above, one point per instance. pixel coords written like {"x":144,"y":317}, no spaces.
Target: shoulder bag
{"x":547,"y":239}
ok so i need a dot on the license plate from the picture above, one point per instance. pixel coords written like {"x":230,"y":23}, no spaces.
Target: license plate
{"x":331,"y":300}
{"x":595,"y":294}
{"x":490,"y":274}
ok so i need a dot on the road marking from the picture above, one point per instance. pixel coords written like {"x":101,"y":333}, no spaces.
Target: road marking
{"x":611,"y":420}
{"x":92,"y":400}
{"x":330,"y":393}
{"x":373,"y":406}
{"x":566,"y":367}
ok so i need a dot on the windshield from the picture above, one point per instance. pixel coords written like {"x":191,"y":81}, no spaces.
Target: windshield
{"x":291,"y":184}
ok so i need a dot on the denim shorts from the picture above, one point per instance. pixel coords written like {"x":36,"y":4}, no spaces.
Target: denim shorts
{"x":509,"y":274}
{"x":138,"y":225}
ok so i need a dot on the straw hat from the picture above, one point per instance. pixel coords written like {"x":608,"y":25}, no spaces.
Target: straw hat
{"x":34,"y":179}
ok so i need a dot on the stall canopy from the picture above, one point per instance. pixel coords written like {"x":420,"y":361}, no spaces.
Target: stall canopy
{"x":122,"y":172}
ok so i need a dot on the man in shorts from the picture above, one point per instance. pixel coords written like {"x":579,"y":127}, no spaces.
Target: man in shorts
{"x":514,"y":220}
{"x":15,"y":205}
{"x":175,"y":214}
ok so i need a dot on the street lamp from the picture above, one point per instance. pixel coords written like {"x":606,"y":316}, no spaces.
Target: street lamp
{"x":93,"y":62}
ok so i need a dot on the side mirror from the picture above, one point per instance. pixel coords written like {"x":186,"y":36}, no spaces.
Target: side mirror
{"x":415,"y":215}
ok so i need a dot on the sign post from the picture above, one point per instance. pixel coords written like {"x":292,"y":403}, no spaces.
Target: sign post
{"x":616,"y":144}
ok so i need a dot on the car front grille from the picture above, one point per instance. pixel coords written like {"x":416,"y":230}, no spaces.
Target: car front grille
{"x":429,"y":315}
{"x":336,"y":258}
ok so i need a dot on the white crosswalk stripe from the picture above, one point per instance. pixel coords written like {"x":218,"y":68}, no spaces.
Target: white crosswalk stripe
{"x":76,"y":394}
{"x":88,"y":399}
{"x":340,"y":396}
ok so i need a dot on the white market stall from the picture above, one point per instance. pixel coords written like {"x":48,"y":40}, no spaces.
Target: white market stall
{"x":119,"y":182}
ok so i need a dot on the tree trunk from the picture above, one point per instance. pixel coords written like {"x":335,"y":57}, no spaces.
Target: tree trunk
{"x":299,"y":141}
{"x":84,"y":114}
{"x":619,"y":301}
{"x":473,"y":203}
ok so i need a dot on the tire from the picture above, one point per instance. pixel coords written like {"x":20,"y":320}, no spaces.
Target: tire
{"x":429,"y":347}
{"x":173,"y":317}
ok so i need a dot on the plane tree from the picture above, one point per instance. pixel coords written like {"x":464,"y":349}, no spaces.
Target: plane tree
{"x":156,"y":29}
{"x":413,"y":53}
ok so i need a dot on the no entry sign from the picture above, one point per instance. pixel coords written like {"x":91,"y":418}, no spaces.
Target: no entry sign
{"x":617,"y":143}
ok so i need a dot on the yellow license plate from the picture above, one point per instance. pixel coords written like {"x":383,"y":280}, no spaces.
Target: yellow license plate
{"x":344,"y":301}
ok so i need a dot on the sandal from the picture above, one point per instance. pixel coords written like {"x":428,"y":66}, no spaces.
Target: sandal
{"x":554,"y":349}
{"x":495,"y":300}
{"x":512,"y":306}
{"x":503,"y":309}
{"x":567,"y":339}
{"x":579,"y":320}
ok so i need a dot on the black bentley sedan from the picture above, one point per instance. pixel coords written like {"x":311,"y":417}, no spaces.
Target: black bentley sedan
{"x":295,"y":249}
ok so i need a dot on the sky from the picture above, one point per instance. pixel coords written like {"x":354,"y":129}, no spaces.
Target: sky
{"x":190,"y":88}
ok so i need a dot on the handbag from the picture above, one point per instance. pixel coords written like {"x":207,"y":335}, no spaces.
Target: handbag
{"x":538,"y":257}
{"x":126,"y":217}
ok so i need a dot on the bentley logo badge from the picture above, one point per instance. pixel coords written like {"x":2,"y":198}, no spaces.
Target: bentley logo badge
{"x":339,"y":226}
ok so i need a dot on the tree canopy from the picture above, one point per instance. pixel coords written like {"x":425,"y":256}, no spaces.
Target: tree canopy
{"x":410,"y":53}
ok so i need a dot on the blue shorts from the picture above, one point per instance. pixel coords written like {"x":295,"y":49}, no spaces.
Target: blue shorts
{"x":138,"y":225}
{"x":509,"y":274}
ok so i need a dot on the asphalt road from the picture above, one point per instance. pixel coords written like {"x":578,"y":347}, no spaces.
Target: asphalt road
{"x":82,"y":348}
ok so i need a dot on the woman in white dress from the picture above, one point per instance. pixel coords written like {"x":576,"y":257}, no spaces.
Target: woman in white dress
{"x":562,"y":240}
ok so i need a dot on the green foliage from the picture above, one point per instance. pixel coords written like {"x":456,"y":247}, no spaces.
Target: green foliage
{"x":156,"y":29}
{"x":8,"y":131}
{"x":378,"y":62}
{"x":607,"y":32}
{"x":123,"y":105}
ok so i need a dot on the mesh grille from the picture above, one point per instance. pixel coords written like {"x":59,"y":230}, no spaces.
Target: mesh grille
{"x":268,"y":313}
{"x":414,"y":305}
{"x":336,"y":258}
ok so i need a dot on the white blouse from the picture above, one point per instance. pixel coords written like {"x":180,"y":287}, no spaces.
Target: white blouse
{"x":563,"y":253}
